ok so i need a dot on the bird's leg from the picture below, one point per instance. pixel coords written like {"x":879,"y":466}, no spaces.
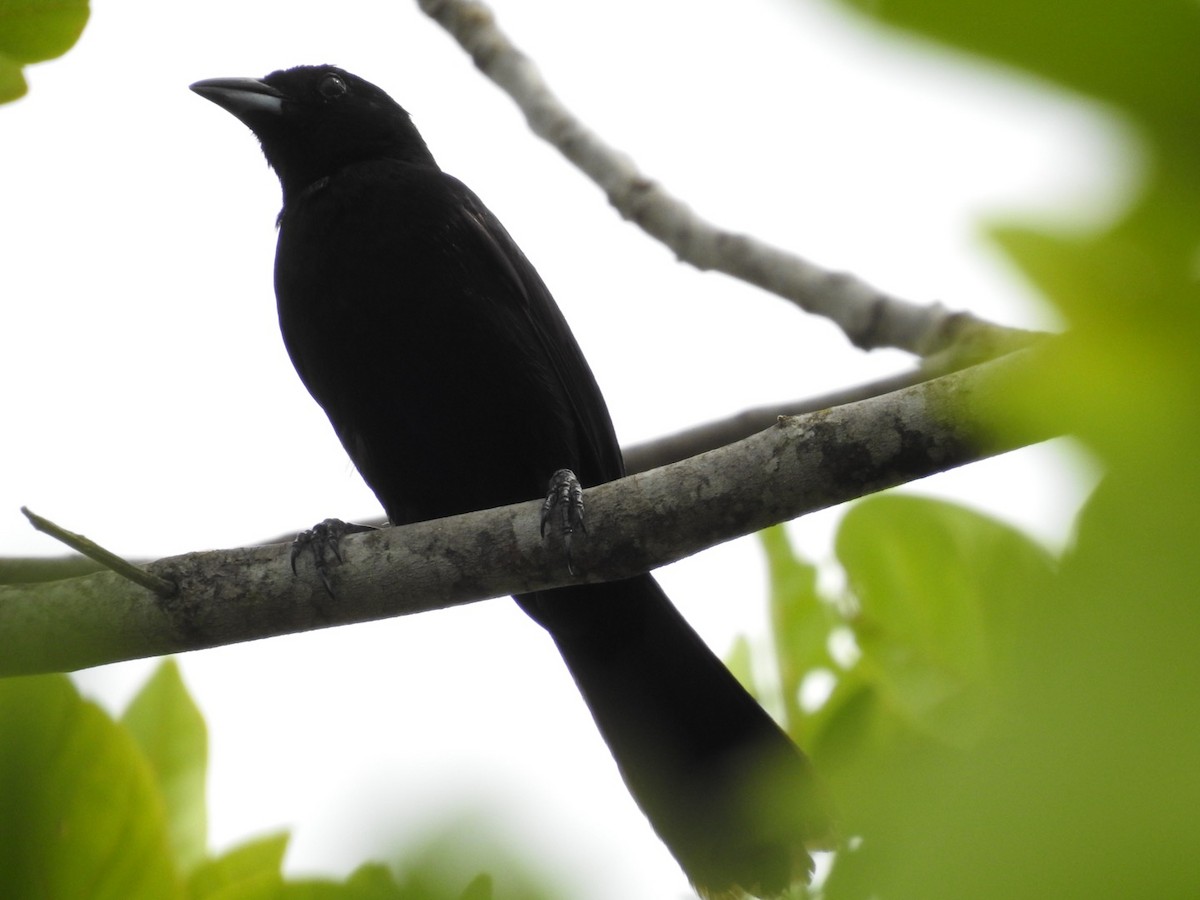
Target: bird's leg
{"x":322,"y":542}
{"x":564,"y":504}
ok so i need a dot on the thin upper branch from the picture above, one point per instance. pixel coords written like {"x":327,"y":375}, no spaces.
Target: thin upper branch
{"x":798,"y":465}
{"x":869,"y":317}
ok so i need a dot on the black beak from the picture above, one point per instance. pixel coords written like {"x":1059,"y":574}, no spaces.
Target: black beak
{"x":246,"y":98}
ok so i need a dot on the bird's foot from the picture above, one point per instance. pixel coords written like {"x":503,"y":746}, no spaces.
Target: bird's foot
{"x":564,"y":506}
{"x":322,"y":541}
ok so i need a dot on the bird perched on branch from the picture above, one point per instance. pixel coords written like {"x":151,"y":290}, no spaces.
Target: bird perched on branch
{"x":454,"y":383}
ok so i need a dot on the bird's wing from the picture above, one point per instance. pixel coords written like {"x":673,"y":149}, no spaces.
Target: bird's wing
{"x":554,"y":336}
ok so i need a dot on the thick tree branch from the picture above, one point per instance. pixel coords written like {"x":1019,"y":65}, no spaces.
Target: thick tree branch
{"x":711,"y":435}
{"x":869,"y":317}
{"x":798,"y":465}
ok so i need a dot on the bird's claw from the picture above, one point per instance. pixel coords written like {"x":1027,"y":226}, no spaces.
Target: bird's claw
{"x":322,"y":541}
{"x":564,"y":503}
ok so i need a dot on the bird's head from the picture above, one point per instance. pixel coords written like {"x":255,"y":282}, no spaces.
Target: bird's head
{"x":314,"y":120}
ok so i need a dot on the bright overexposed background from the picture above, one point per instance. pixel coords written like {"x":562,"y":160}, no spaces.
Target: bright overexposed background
{"x":149,"y":404}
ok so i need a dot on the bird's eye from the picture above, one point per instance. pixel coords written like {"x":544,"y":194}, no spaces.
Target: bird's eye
{"x":332,"y":86}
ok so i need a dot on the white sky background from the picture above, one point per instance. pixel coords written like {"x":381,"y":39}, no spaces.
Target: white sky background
{"x":148,"y":401}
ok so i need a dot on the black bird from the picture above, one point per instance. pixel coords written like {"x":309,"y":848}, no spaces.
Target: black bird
{"x":455,"y":384}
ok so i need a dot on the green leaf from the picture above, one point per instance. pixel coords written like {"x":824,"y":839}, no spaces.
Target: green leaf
{"x":251,"y":871}
{"x":171,"y":732}
{"x":1138,"y":54}
{"x":801,"y":622}
{"x":480,"y":888}
{"x":1088,"y":785}
{"x":32,"y":31}
{"x":1121,"y":379}
{"x":12,"y":82}
{"x":36,"y":30}
{"x":940,"y":591}
{"x":372,"y":881}
{"x":740,"y":661}
{"x":855,"y":736}
{"x":80,"y":814}
{"x":376,"y":882}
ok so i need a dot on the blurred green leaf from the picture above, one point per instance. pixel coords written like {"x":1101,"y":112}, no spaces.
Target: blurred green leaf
{"x":940,"y":592}
{"x":12,"y":82}
{"x":36,"y":30}
{"x":1086,"y":785}
{"x":480,"y":888}
{"x":740,"y":661}
{"x":801,"y":623}
{"x":171,"y":732}
{"x":94,"y":808}
{"x":32,"y":31}
{"x":1124,"y":379}
{"x":464,"y":861}
{"x":1129,"y":291}
{"x":854,"y":732}
{"x":250,"y":871}
{"x":373,"y":881}
{"x":80,"y":815}
{"x":1140,"y":54}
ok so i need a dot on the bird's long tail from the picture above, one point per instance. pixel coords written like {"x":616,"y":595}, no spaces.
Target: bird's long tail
{"x":734,"y":800}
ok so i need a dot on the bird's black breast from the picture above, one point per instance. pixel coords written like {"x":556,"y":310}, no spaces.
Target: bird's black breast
{"x":432,"y":344}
